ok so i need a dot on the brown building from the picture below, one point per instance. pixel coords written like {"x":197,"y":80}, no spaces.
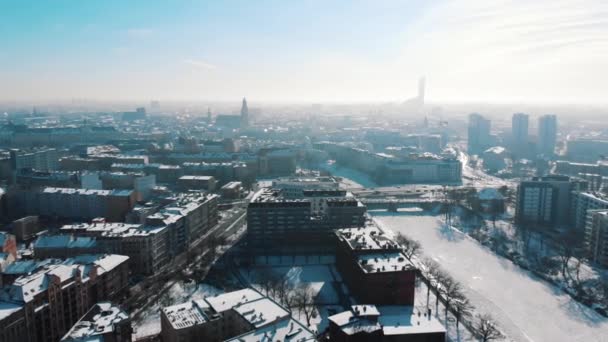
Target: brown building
{"x":374,"y":268}
{"x":42,"y":306}
{"x":8,"y":244}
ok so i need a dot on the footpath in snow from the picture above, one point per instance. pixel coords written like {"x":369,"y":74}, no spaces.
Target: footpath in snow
{"x":527,"y":308}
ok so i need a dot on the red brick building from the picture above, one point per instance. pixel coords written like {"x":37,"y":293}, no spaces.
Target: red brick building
{"x":374,"y":268}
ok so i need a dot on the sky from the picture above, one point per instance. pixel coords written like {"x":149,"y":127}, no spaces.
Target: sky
{"x":504,"y":51}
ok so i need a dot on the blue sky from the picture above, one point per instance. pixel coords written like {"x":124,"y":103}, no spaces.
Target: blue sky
{"x":317,"y":51}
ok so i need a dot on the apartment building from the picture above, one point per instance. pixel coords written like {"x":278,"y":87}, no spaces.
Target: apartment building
{"x":43,"y":305}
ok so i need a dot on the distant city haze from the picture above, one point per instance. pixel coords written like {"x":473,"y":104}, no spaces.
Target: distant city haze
{"x":512,"y":51}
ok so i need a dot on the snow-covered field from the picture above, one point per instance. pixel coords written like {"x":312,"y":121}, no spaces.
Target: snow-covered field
{"x":527,"y":309}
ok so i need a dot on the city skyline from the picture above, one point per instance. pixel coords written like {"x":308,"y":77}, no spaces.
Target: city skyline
{"x":507,"y":51}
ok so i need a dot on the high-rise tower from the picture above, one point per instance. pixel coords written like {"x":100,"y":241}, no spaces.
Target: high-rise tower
{"x":421,"y":87}
{"x":244,"y":114}
{"x":547,"y":134}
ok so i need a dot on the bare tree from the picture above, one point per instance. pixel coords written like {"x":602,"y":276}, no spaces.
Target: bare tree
{"x":409,"y":246}
{"x":304,"y":301}
{"x":463,"y":309}
{"x":284,"y":291}
{"x":568,"y":244}
{"x":486,"y":329}
{"x":450,"y":289}
{"x":265,"y":278}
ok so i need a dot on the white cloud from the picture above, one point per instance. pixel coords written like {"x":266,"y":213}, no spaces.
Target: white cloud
{"x":200,"y":64}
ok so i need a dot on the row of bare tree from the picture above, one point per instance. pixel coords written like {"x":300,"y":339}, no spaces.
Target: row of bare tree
{"x":449,"y":291}
{"x":299,"y":296}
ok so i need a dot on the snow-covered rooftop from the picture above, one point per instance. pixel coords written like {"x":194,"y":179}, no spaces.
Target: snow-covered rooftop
{"x":186,"y":315}
{"x":287,"y":330}
{"x":384,"y":262}
{"x":226,"y":301}
{"x":366,"y":238}
{"x":100,"y":320}
{"x":261,"y":312}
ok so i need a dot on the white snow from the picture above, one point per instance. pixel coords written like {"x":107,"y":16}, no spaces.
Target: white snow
{"x":149,"y":322}
{"x":527,"y":309}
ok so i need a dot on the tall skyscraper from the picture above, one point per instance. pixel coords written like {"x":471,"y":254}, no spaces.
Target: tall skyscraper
{"x":421,"y":88}
{"x":519,"y":132}
{"x":244,"y":114}
{"x":478,"y":133}
{"x":519,"y":127}
{"x":547,"y":134}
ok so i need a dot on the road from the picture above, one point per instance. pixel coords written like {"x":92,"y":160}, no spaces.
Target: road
{"x":148,"y":290}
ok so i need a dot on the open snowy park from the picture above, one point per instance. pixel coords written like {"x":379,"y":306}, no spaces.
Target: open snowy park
{"x":527,"y":308}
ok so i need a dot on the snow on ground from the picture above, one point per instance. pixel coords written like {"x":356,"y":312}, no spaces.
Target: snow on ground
{"x":527,"y":308}
{"x":321,"y":278}
{"x":149,"y":322}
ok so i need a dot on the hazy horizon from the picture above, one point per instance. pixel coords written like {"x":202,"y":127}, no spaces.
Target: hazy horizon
{"x":506,"y":52}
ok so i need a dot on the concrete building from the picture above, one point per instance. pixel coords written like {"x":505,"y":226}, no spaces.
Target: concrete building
{"x":495,"y":159}
{"x":43,"y":305}
{"x":113,"y":205}
{"x":231,"y":190}
{"x":243,"y":315}
{"x":596,"y":236}
{"x":43,"y":159}
{"x":547,"y":134}
{"x":519,"y":132}
{"x":197,"y":183}
{"x":546,"y":201}
{"x":581,"y":203}
{"x":586,"y":150}
{"x":373,"y":267}
{"x":64,"y":246}
{"x":398,"y":168}
{"x":26,"y":228}
{"x":293,"y":187}
{"x":368,"y":323}
{"x":146,"y":246}
{"x":274,"y":221}
{"x":104,"y":322}
{"x":277,"y":163}
{"x":479,"y":138}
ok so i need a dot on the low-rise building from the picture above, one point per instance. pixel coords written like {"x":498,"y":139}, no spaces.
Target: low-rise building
{"x":243,"y":315}
{"x":64,"y":246}
{"x":104,"y":322}
{"x":196,"y":183}
{"x":368,"y":323}
{"x":231,"y":190}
